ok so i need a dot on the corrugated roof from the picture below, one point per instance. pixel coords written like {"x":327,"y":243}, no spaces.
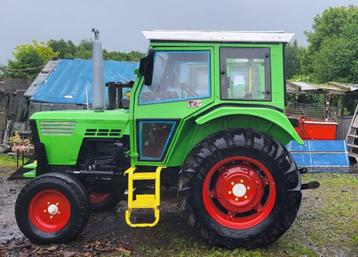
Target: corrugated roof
{"x":332,"y":87}
{"x":41,"y":77}
{"x":69,"y":80}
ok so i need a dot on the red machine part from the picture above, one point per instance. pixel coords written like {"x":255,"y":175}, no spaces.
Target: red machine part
{"x":239,"y":192}
{"x":316,"y":130}
{"x":49,"y":211}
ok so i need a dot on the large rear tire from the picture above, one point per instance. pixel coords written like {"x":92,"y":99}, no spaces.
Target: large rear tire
{"x":240,"y":188}
{"x":52,"y":208}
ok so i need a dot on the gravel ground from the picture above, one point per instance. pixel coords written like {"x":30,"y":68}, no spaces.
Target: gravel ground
{"x":327,"y":225}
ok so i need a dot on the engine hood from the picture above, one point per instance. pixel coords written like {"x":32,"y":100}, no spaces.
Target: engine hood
{"x":116,"y":119}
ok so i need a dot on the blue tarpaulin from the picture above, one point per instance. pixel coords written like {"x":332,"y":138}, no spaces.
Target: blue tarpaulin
{"x":320,"y":155}
{"x":70,"y":79}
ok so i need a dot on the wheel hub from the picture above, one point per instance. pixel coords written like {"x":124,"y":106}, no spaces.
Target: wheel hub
{"x":52,"y":209}
{"x":239,"y":188}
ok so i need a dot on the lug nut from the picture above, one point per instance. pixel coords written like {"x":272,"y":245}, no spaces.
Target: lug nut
{"x":45,"y":211}
{"x":229,"y":192}
{"x":57,"y":204}
{"x":51,"y":217}
{"x":248,"y":188}
{"x":232,"y":183}
{"x":236,"y":199}
{"x":245,"y":196}
{"x":241,"y":181}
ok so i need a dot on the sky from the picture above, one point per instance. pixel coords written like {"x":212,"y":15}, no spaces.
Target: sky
{"x":121,"y":21}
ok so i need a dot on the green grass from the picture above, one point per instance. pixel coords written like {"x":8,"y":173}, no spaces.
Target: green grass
{"x":8,"y":162}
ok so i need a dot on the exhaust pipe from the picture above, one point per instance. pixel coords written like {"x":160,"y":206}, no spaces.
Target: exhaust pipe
{"x":97,"y":73}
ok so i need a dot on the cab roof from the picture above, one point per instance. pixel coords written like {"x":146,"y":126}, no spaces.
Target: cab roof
{"x":218,"y":36}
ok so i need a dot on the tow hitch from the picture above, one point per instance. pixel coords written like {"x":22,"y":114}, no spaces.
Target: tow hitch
{"x":310,"y":185}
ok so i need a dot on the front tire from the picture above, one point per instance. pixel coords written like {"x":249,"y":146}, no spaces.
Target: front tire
{"x":240,"y":188}
{"x":52,"y":208}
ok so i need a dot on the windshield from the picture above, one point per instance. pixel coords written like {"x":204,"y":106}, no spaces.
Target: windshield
{"x":178,"y":76}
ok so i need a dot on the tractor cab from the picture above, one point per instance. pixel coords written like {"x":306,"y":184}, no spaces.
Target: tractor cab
{"x":188,"y":74}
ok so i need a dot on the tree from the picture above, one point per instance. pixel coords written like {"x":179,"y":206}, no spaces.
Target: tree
{"x":332,"y":53}
{"x":29,"y":60}
{"x":84,"y":50}
{"x":65,"y":49}
{"x":122,"y":56}
{"x":293,"y":54}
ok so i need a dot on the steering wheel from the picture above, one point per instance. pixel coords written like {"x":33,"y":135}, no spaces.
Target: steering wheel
{"x":188,"y":90}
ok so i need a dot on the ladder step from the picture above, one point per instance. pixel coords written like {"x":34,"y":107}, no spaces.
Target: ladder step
{"x":144,"y":175}
{"x":353,"y":146}
{"x":128,"y":214}
{"x":144,"y":201}
{"x":353,"y":155}
{"x":351,"y":135}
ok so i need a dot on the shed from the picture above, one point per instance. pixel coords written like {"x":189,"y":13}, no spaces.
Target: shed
{"x":319,"y":111}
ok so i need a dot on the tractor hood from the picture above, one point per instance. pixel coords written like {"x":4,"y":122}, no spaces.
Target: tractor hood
{"x":82,"y":120}
{"x":62,"y":132}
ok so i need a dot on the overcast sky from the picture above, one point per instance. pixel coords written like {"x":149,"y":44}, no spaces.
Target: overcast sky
{"x":121,"y":21}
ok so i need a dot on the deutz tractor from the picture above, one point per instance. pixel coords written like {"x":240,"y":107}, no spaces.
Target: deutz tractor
{"x":206,"y":114}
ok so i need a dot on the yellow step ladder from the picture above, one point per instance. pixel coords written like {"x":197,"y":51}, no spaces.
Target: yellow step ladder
{"x":143,"y":201}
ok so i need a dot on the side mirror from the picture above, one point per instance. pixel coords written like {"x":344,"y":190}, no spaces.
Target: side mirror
{"x":146,"y":67}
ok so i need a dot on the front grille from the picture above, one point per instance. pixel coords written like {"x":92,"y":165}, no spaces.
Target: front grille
{"x":57,"y":128}
{"x":103,"y":132}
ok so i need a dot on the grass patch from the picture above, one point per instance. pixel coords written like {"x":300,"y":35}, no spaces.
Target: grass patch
{"x":8,"y":162}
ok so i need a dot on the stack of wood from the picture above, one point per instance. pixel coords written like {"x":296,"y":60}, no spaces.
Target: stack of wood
{"x":19,"y":144}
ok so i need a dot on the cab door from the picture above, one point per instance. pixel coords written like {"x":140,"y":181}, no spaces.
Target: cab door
{"x":181,"y":85}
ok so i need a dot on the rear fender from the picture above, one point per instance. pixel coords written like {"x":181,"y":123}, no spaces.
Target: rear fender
{"x":278,"y":120}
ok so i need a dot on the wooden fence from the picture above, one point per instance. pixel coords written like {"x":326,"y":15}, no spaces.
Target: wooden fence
{"x":13,"y":105}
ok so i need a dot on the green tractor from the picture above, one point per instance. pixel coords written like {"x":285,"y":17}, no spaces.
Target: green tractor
{"x":206,"y":114}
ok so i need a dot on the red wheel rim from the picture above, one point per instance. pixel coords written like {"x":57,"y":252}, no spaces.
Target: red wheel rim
{"x":49,"y":211}
{"x":97,"y":197}
{"x":239,"y":192}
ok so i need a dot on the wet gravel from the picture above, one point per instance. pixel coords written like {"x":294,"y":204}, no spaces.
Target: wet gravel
{"x":8,"y":193}
{"x":106,"y":233}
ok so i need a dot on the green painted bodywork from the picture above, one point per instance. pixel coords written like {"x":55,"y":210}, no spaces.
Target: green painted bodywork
{"x":67,"y":129}
{"x":258,"y":114}
{"x":194,"y":124}
{"x":32,"y":170}
{"x":30,"y":174}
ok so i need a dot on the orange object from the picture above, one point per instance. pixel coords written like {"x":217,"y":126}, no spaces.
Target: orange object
{"x":316,"y":130}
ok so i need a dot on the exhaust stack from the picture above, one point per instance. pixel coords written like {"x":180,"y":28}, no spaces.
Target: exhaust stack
{"x":97,"y":73}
